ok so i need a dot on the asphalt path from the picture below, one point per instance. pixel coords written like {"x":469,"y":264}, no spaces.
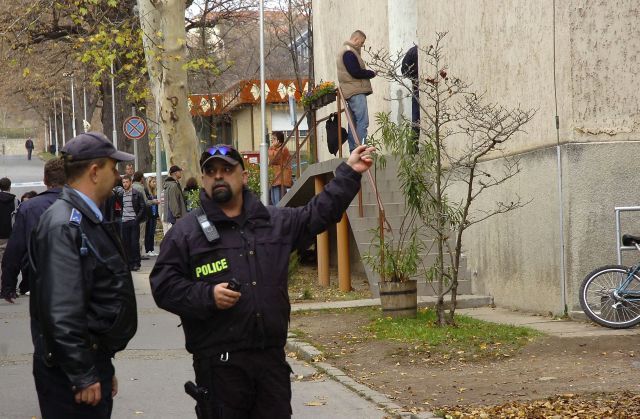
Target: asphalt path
{"x":153,"y":369}
{"x":26,"y":175}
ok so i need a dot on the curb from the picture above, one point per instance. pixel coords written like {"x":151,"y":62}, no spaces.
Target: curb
{"x":313,"y":356}
{"x":464,"y":301}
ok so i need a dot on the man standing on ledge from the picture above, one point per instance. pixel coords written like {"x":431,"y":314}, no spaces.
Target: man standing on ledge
{"x":223,"y":269}
{"x":354,"y":79}
{"x":83,"y":307}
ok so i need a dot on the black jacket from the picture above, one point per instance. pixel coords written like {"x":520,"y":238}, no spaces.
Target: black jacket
{"x":255,"y":250}
{"x":8,"y":204}
{"x":113,"y":206}
{"x":15,"y":255}
{"x":82,"y":297}
{"x":137,"y":201}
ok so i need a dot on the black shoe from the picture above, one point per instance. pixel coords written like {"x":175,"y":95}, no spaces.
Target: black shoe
{"x":9,"y":294}
{"x":144,"y":257}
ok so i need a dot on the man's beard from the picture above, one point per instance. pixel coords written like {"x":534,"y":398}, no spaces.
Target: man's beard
{"x":222,"y":194}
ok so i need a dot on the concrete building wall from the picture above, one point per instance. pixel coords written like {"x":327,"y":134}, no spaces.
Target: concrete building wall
{"x":506,"y":50}
{"x":517,"y":257}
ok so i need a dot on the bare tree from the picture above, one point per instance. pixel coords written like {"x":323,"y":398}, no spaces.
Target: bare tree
{"x":458,"y":130}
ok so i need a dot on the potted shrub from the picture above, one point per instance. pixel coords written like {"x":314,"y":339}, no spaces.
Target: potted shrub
{"x":396,"y":260}
{"x":396,"y":255}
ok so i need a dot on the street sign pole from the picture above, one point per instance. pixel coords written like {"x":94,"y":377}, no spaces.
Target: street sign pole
{"x":135,"y":143}
{"x":134,"y":128}
{"x":159,"y":181}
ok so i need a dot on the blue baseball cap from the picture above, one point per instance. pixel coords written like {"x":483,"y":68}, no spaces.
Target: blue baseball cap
{"x":92,"y":145}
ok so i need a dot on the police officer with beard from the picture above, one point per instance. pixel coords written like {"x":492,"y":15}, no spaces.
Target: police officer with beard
{"x":223,"y":270}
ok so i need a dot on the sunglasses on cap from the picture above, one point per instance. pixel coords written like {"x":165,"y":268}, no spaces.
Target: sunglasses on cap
{"x":226,"y":152}
{"x":222,"y":150}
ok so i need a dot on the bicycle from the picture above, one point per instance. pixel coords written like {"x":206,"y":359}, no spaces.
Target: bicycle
{"x":610,"y":295}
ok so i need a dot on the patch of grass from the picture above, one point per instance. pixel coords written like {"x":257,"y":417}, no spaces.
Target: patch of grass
{"x":45,"y":156}
{"x":303,"y":286}
{"x":469,"y":339}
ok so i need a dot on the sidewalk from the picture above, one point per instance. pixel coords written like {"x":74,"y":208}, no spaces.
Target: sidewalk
{"x":474,"y":306}
{"x":155,"y":365}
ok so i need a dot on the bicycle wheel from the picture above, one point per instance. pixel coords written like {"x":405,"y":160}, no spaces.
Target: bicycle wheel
{"x":603,"y":303}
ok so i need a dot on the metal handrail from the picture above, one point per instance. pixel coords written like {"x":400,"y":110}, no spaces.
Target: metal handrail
{"x":619,"y":246}
{"x":382,"y":219}
{"x":357,"y":141}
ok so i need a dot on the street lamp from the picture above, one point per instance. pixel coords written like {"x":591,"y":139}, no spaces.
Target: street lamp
{"x":113,"y":108}
{"x":73,"y":104}
{"x":62,"y":120}
{"x":55,"y":121}
{"x":264,"y":174}
{"x":85,"y":121}
{"x":50,"y":134}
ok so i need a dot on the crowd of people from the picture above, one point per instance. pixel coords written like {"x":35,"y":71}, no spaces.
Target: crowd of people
{"x":222,"y":266}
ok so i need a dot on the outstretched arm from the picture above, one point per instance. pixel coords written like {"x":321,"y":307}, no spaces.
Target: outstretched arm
{"x":360,"y":159}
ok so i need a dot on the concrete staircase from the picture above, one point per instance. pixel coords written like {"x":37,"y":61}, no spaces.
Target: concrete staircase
{"x":389,"y":189}
{"x":361,"y":227}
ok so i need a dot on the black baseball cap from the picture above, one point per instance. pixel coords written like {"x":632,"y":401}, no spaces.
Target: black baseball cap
{"x":174,"y":169}
{"x":92,"y":145}
{"x":224,"y":152}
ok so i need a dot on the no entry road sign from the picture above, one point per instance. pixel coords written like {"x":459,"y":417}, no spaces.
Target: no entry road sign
{"x":134,"y":127}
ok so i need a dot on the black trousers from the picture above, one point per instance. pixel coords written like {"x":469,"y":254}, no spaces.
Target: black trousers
{"x":24,"y":284}
{"x":131,"y":242}
{"x":56,"y":399}
{"x":245,"y":385}
{"x":150,"y":234}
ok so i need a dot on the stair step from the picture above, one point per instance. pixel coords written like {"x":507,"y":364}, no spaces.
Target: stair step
{"x":371,"y":210}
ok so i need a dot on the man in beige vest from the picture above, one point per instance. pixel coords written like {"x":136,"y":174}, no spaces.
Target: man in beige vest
{"x":354,"y":79}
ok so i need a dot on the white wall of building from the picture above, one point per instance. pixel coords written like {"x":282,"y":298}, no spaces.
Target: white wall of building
{"x":506,"y":50}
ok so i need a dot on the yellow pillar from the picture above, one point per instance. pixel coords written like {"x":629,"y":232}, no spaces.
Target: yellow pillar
{"x":322,"y":245}
{"x":344,"y":264}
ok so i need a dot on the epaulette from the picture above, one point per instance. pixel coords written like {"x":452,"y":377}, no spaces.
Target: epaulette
{"x":76,"y":217}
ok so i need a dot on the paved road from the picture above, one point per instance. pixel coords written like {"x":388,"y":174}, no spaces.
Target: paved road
{"x":25,"y":175}
{"x":153,"y":370}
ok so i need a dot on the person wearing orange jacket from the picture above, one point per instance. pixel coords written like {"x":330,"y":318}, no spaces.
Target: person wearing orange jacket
{"x":281,"y":161}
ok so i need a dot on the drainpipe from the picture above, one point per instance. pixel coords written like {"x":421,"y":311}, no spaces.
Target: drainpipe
{"x":563,"y":277}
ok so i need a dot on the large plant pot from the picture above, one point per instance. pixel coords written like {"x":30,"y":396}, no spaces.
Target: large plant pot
{"x":399,"y":299}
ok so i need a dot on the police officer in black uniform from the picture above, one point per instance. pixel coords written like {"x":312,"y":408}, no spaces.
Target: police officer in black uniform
{"x":223,"y":270}
{"x":83,"y":307}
